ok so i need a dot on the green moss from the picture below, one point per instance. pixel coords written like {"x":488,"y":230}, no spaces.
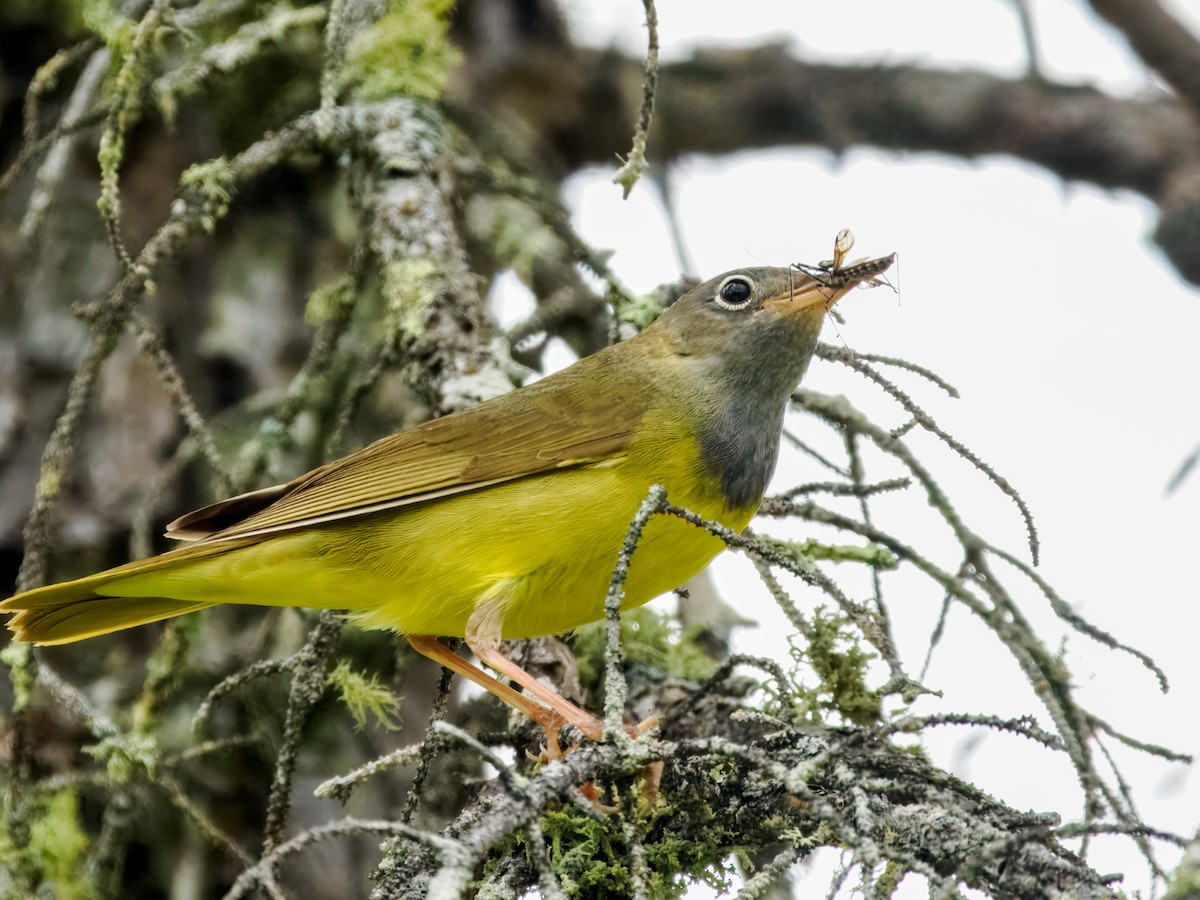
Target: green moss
{"x":50,"y":484}
{"x":841,"y":665}
{"x":591,"y":858}
{"x":213,"y":181}
{"x":164,"y":673}
{"x":639,"y":310}
{"x":886,"y":884}
{"x":685,"y":835}
{"x":1185,"y":881}
{"x":409,"y":292}
{"x":806,"y":837}
{"x":126,"y":757}
{"x":804,"y":553}
{"x":74,"y":17}
{"x":590,"y":855}
{"x":694,"y":862}
{"x":16,"y":657}
{"x":651,"y":640}
{"x":365,"y":697}
{"x":328,"y":300}
{"x":407,"y":52}
{"x":587,"y":855}
{"x":57,"y":847}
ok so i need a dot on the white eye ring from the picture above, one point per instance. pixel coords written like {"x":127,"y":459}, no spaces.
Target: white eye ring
{"x":719,"y":297}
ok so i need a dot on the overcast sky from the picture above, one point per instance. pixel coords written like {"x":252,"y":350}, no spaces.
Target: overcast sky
{"x":1072,"y":341}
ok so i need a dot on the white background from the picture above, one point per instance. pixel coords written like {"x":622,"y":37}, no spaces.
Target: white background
{"x":1072,"y":341}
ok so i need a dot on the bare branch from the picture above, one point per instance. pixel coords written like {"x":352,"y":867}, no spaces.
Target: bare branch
{"x":629,"y":173}
{"x":1162,"y":41}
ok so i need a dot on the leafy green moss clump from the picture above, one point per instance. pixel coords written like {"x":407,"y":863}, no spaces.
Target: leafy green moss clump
{"x":840,"y":662}
{"x":57,"y":846}
{"x":365,"y":697}
{"x":407,"y":52}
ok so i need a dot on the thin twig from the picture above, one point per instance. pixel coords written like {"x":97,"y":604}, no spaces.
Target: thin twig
{"x":128,"y":90}
{"x":639,"y":872}
{"x":508,"y":775}
{"x":1033,"y":56}
{"x":841,"y":489}
{"x":430,"y":745}
{"x":262,"y":869}
{"x":198,"y":816}
{"x":1072,"y":829}
{"x":770,"y":875}
{"x":862,"y":617}
{"x":340,"y":787}
{"x":629,"y":173}
{"x":1162,"y":41}
{"x":60,"y":142}
{"x":539,"y":855}
{"x":808,"y":451}
{"x":164,"y":364}
{"x":769,"y":666}
{"x":310,"y":668}
{"x":1025,"y":726}
{"x":228,"y":685}
{"x":615,"y":688}
{"x":1063,"y":610}
{"x":896,"y":362}
{"x":848,"y":358}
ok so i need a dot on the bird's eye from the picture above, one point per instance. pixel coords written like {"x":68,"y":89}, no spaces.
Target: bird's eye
{"x":734,"y":292}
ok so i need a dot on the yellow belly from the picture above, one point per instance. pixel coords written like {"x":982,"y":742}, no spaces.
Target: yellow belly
{"x":541,"y":548}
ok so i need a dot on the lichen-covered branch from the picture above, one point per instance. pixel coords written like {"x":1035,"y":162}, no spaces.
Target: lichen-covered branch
{"x":758,"y":789}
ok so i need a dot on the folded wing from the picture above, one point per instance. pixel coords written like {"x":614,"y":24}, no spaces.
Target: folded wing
{"x":514,"y":436}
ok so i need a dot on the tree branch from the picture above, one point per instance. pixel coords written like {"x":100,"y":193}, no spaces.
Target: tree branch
{"x":1161,"y":41}
{"x":754,"y":790}
{"x":721,"y":102}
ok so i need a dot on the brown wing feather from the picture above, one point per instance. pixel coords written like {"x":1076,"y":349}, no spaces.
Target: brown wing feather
{"x":208,"y":520}
{"x":556,"y":423}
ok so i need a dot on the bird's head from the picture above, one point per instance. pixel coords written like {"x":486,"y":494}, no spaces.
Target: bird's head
{"x":763,"y":321}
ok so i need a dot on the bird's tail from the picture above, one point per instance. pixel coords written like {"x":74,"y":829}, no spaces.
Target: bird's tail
{"x":98,"y":604}
{"x":55,"y":621}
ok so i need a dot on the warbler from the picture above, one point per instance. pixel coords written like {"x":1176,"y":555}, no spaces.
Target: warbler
{"x":505,"y":520}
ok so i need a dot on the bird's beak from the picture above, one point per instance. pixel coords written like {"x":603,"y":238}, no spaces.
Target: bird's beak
{"x":822,"y":286}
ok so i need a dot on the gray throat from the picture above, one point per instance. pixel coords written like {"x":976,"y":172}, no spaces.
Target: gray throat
{"x":742,"y":450}
{"x":741,"y":443}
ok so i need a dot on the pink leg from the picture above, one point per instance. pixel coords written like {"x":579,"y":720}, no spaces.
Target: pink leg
{"x":487,"y":651}
{"x":550,"y":721}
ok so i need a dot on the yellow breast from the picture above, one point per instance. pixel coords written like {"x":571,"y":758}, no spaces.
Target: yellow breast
{"x":544,"y":547}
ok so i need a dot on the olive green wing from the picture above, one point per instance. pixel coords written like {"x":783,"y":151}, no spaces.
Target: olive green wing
{"x":546,"y":426}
